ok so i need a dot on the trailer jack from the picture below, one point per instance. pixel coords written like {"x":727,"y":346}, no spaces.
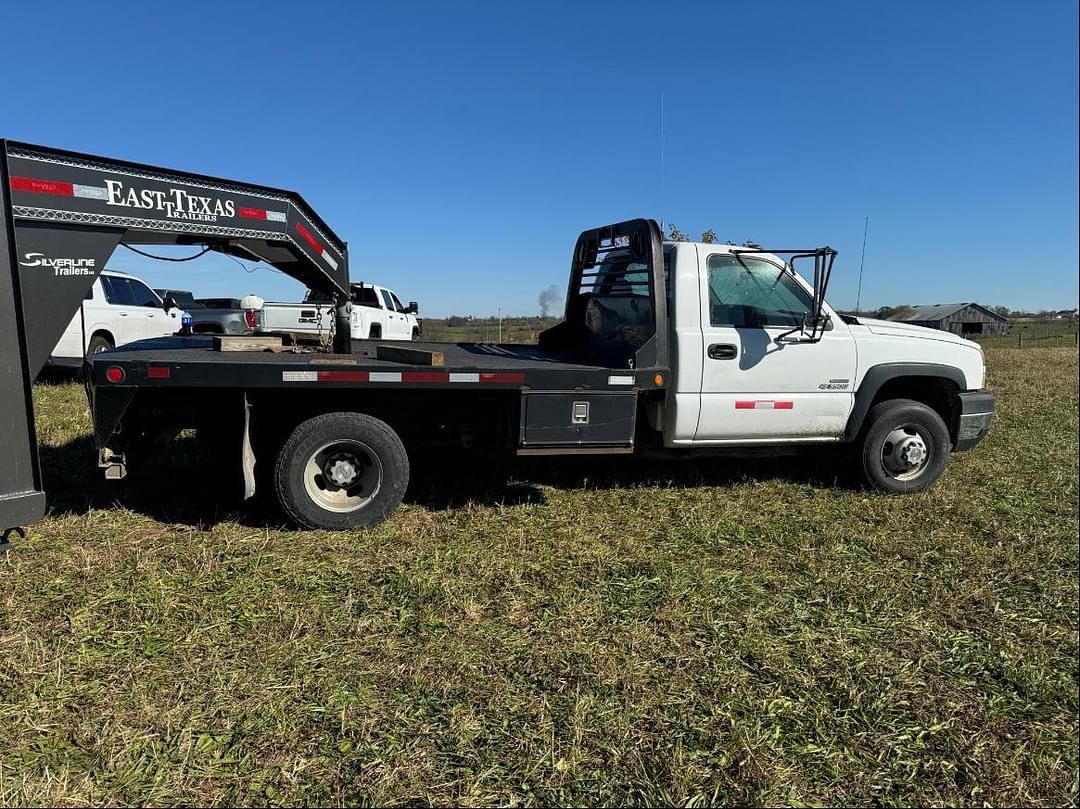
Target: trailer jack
{"x":114,"y":464}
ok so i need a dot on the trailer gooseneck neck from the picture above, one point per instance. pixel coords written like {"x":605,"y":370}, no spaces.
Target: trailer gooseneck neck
{"x":63,"y":215}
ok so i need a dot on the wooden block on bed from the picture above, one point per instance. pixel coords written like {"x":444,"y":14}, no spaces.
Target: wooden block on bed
{"x":248,"y":344}
{"x":410,"y":356}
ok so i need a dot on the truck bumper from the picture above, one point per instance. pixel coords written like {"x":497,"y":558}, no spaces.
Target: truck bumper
{"x":976,"y":412}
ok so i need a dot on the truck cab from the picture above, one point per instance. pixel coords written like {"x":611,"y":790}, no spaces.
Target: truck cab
{"x":746,"y":371}
{"x":378,"y":314}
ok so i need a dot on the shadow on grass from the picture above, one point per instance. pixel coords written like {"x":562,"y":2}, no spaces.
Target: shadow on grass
{"x":179,"y":485}
{"x":175,"y":485}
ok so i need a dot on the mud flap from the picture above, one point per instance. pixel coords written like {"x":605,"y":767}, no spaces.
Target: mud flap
{"x":248,"y":454}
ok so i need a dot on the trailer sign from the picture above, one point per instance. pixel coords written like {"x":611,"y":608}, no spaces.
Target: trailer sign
{"x":175,"y":203}
{"x":61,"y":266}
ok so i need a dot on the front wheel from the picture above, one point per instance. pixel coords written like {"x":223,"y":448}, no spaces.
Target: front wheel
{"x":905,"y":446}
{"x":341,"y":470}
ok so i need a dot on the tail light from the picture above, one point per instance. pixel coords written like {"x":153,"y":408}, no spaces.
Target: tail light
{"x":115,"y":374}
{"x":251,"y":320}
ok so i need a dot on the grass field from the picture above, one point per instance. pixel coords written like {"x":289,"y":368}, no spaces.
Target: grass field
{"x":1034,"y":333}
{"x":623,"y":634}
{"x":487,"y":329}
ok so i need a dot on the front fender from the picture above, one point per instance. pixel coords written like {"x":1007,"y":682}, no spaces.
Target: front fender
{"x":876,"y":377}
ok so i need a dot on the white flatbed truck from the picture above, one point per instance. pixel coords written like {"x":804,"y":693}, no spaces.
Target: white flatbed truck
{"x":665,"y":348}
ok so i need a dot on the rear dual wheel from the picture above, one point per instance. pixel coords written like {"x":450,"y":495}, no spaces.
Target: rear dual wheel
{"x":341,"y":470}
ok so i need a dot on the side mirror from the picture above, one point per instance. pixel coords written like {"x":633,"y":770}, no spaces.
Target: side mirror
{"x":169,"y":303}
{"x":413,"y":308}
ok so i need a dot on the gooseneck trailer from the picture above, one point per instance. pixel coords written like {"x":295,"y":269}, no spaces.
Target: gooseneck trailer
{"x":674,"y":348}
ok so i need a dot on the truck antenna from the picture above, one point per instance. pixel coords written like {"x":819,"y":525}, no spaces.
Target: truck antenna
{"x":661,"y":161}
{"x":862,"y":259}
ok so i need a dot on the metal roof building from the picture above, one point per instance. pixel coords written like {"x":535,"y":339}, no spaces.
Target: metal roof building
{"x":968,"y":319}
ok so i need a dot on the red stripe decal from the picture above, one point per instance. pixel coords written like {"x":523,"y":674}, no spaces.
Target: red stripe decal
{"x":343,"y":376}
{"x":252,"y":213}
{"x":307,"y":237}
{"x":508,"y":379}
{"x":744,"y":405}
{"x":42,"y":186}
{"x":783,"y":405}
{"x":424,"y":376}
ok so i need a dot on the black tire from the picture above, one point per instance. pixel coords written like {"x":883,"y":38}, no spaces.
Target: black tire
{"x":416,"y":334}
{"x":368,"y":449}
{"x":915,"y":461}
{"x":375,"y":332}
{"x":98,"y":343}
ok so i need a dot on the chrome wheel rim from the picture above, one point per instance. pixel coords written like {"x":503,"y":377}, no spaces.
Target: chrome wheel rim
{"x":343,"y":475}
{"x":906,"y":452}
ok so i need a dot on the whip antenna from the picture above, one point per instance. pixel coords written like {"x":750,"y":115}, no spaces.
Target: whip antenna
{"x":862,"y":259}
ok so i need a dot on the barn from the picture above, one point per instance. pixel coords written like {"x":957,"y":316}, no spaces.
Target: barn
{"x":968,"y":319}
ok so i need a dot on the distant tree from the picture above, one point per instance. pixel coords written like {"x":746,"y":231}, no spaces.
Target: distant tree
{"x":1000,"y":310}
{"x":676,"y":235}
{"x":709,"y":236}
{"x":886,"y":312}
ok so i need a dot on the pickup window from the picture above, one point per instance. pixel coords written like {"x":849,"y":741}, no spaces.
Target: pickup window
{"x":366,"y":296}
{"x":747,"y":292}
{"x":397,"y":304}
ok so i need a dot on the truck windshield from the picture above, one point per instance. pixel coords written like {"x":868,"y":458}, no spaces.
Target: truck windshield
{"x":749,"y":292}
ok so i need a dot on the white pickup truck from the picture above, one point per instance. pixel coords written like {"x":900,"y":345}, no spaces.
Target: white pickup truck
{"x":118,"y":309}
{"x":377,"y":314}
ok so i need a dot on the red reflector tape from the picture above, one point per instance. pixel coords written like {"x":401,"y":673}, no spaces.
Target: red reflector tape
{"x":424,"y":376}
{"x":764,"y":404}
{"x":42,"y":186}
{"x":259,"y":213}
{"x":158,"y":372}
{"x":343,"y":376}
{"x":305,"y":234}
{"x":506,"y":379}
{"x":416,"y":377}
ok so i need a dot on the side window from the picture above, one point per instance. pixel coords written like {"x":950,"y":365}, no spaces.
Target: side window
{"x":143,"y":295}
{"x":751,"y":293}
{"x":397,"y":303}
{"x":117,"y":291}
{"x":367,"y":297}
{"x":386,"y":300}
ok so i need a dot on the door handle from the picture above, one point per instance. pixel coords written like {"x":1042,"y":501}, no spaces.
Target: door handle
{"x":722,"y":351}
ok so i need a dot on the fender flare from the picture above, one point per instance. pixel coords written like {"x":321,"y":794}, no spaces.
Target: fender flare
{"x":878,"y":375}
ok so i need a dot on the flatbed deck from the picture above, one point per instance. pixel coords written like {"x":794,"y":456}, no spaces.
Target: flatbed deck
{"x":173,"y":361}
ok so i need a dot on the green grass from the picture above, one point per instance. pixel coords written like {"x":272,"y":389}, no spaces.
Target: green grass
{"x":1033,"y":333}
{"x":487,"y":329}
{"x":599,"y":633}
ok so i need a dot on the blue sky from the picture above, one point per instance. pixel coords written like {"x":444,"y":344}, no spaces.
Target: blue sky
{"x":460,"y":147}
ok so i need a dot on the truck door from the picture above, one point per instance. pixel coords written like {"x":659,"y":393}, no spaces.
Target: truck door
{"x":157,"y":322}
{"x":755,"y":387}
{"x":397,"y":323}
{"x":126,"y":320}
